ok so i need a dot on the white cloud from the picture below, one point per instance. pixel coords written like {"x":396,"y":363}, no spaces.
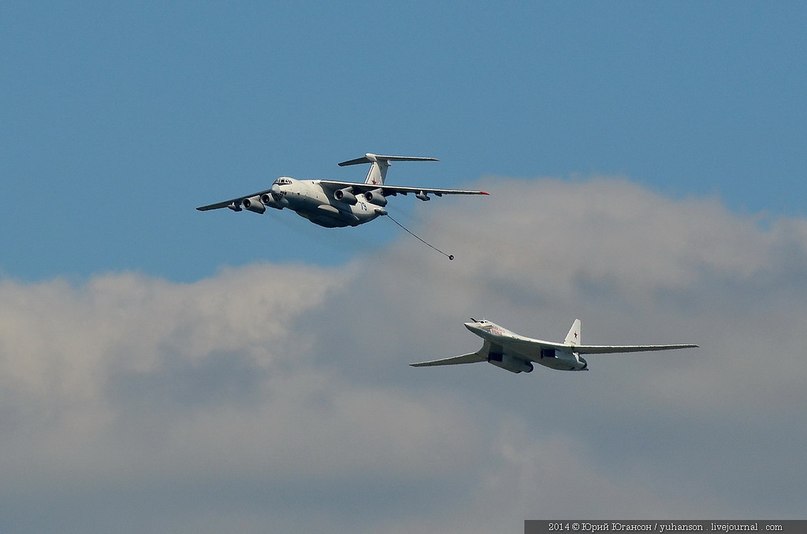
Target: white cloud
{"x":279,"y":394}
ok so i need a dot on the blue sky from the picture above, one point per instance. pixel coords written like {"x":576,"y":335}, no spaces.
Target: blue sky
{"x":119,"y":119}
{"x":166,"y":370}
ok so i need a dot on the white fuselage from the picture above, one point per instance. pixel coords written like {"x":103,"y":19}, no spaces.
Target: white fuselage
{"x":309,"y":199}
{"x":519,"y":347}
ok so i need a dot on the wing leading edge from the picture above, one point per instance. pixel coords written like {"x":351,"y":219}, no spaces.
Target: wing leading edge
{"x":465,"y":358}
{"x":233,"y":203}
{"x":613,"y":349}
{"x":392,"y":190}
{"x":479,"y":356}
{"x":530,"y":348}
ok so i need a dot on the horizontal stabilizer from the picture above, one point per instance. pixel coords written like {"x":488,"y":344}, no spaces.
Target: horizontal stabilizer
{"x":374,"y":158}
{"x":465,"y":358}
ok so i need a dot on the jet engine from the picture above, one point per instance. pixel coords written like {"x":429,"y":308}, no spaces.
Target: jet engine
{"x":344,"y":195}
{"x":422,"y":196}
{"x":376,"y":196}
{"x":273,"y":200}
{"x":572,"y":359}
{"x":514,"y":365}
{"x":254,"y":204}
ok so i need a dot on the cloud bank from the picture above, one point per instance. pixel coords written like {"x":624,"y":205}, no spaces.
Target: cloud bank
{"x":278,"y":397}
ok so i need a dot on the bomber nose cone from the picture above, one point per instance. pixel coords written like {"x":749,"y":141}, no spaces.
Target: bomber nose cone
{"x":473,"y":326}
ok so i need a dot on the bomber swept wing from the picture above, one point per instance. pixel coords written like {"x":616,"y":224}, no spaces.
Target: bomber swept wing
{"x":479,"y":356}
{"x":528,"y":346}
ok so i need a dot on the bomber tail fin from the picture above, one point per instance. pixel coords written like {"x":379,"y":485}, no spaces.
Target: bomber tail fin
{"x":574,"y":337}
{"x":379,"y":165}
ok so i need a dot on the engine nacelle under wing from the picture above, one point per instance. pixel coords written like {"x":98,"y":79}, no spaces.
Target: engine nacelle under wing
{"x":376,"y":196}
{"x":272,"y":201}
{"x":254,"y":204}
{"x":510,"y":363}
{"x":344,"y":195}
{"x":563,"y":360}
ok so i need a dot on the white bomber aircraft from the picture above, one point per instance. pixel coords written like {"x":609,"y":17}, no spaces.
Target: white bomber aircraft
{"x":516,"y":353}
{"x":331,"y":203}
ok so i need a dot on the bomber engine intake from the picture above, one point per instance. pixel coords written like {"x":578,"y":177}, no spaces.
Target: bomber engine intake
{"x":510,"y":363}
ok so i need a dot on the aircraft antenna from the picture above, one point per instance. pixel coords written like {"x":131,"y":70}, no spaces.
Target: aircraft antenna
{"x":413,"y":234}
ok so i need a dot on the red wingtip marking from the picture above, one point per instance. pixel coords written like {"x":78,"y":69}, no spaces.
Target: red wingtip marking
{"x":484,"y":192}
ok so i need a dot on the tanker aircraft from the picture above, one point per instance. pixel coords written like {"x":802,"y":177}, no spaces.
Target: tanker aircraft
{"x":516,"y":353}
{"x":332,"y":203}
